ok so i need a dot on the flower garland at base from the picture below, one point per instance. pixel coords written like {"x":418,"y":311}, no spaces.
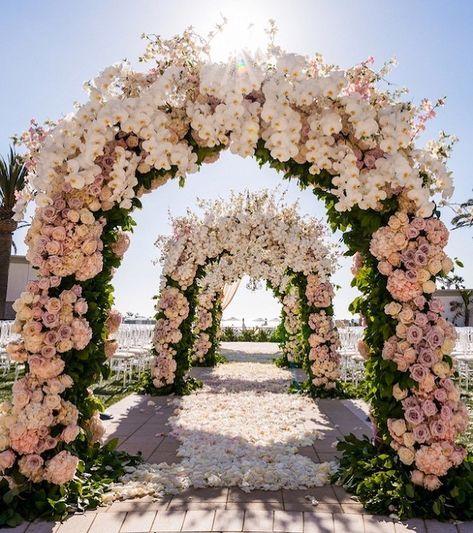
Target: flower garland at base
{"x":382,"y":483}
{"x":102,"y":466}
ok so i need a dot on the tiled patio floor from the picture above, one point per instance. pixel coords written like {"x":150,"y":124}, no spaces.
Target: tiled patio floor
{"x":139,"y":422}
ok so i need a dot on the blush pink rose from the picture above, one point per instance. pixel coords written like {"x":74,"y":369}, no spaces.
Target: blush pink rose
{"x":7,"y":460}
{"x":70,"y":433}
{"x":61,"y":468}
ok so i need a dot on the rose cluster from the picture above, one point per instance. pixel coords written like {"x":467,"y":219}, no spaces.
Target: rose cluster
{"x":410,"y":251}
{"x":64,"y":239}
{"x":324,"y":341}
{"x":203,"y":322}
{"x":174,"y":308}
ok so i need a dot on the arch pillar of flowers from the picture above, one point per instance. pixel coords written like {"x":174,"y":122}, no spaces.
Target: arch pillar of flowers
{"x":337,"y":132}
{"x":254,"y":234}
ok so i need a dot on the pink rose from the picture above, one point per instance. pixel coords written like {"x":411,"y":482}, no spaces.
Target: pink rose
{"x":440,"y":395}
{"x":432,"y":482}
{"x":417,"y":477}
{"x":418,"y":223}
{"x":418,"y":372}
{"x":421,"y":433}
{"x":31,"y":466}
{"x":58,"y":233}
{"x":429,"y":408}
{"x":50,"y":320}
{"x":435,"y":337}
{"x":411,"y":232}
{"x":446,"y":413}
{"x":61,"y":468}
{"x":64,"y":332}
{"x":70,"y":433}
{"x":121,"y":245}
{"x":421,"y":319}
{"x":7,"y":460}
{"x":54,"y":281}
{"x":436,"y":305}
{"x":80,"y":307}
{"x":427,"y":357}
{"x":438,"y":428}
{"x":414,"y":334}
{"x":48,"y":351}
{"x":59,"y":204}
{"x":414,"y":415}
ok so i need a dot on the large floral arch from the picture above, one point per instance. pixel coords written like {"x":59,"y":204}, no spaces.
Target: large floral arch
{"x":335,"y":131}
{"x":254,"y":234}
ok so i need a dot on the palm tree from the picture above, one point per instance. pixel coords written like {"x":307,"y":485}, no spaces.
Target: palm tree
{"x":12,"y":180}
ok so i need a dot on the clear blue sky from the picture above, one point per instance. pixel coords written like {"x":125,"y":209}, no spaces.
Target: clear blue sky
{"x":48,"y":48}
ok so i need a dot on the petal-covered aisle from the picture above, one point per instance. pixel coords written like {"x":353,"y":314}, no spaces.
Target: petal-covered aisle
{"x":242,"y":429}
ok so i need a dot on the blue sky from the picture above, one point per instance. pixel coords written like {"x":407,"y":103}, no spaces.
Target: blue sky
{"x":50,"y":48}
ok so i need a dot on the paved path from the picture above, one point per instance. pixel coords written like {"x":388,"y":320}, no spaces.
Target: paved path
{"x":138,"y":419}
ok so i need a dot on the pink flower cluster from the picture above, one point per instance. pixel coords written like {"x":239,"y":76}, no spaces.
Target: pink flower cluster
{"x":324,"y":345}
{"x":203,"y":321}
{"x":64,"y":239}
{"x":201,"y":346}
{"x":120,"y":246}
{"x":411,"y":254}
{"x":175,"y":308}
{"x":50,"y":326}
{"x":318,"y":294}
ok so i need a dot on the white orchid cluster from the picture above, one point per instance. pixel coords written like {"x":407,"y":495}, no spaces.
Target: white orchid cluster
{"x":251,"y":233}
{"x":301,"y":108}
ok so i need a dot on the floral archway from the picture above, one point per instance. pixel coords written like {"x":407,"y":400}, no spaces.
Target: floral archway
{"x":255,"y":234}
{"x":335,"y":131}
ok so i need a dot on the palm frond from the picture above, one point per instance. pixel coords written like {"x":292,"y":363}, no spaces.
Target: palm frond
{"x":12,"y":179}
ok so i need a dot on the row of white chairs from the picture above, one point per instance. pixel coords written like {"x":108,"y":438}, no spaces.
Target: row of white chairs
{"x":134,"y":354}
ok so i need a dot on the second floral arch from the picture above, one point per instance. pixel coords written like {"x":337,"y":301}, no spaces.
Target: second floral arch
{"x":259,"y":235}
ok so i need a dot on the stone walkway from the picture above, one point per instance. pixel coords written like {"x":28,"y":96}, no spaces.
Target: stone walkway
{"x":136,"y":422}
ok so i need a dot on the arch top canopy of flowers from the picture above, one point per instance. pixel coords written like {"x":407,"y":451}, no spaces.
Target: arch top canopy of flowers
{"x":185,"y":109}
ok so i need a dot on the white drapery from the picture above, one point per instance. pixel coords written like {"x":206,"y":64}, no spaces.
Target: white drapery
{"x":229,"y":292}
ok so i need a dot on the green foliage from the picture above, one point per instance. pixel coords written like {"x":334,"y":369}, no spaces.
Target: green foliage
{"x":101,"y":466}
{"x":249,"y":335}
{"x":382,"y":483}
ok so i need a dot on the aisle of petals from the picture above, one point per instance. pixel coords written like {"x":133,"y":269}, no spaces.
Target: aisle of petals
{"x":242,"y":429}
